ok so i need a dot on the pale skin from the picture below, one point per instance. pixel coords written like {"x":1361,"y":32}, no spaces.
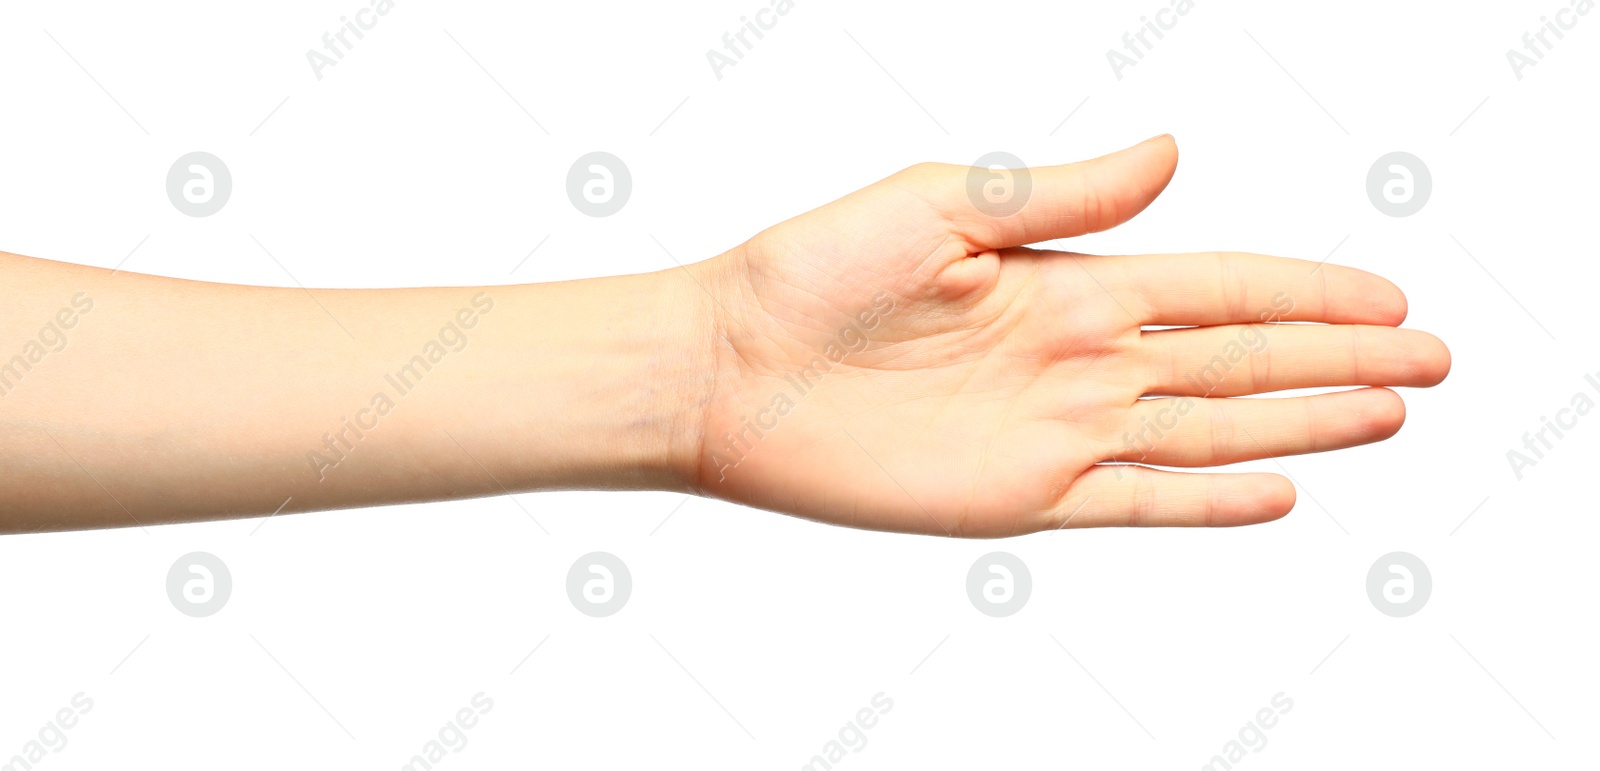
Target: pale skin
{"x":984,"y":389}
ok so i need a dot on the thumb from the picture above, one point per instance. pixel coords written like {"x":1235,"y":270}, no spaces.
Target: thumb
{"x":999,"y":208}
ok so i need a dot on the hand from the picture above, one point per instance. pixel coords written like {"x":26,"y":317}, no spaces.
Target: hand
{"x":896,"y":360}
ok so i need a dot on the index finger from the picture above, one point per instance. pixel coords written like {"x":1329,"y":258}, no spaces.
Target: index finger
{"x":1239,"y":288}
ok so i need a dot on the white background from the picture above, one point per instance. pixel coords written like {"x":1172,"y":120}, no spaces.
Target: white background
{"x":407,"y":165}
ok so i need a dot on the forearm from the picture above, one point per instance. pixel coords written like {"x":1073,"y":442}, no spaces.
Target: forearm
{"x":158,"y":400}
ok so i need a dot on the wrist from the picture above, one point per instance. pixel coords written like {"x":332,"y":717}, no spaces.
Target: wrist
{"x":635,"y":359}
{"x":686,"y":328}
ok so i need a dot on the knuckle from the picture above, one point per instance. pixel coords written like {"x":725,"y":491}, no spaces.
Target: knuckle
{"x":1223,"y":433}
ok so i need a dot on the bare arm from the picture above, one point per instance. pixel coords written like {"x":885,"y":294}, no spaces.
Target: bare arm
{"x":129,"y":399}
{"x":895,"y":360}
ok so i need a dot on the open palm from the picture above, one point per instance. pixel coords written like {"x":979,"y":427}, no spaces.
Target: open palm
{"x":896,"y":360}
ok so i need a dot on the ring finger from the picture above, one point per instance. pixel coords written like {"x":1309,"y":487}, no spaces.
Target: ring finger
{"x":1188,"y":431}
